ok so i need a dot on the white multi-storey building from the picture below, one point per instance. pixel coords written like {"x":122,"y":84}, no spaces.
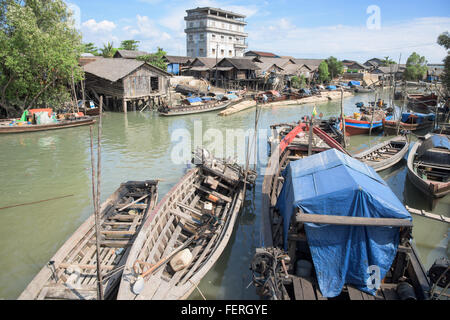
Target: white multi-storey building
{"x":215,"y":33}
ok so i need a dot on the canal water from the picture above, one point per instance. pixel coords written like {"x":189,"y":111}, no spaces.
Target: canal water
{"x":139,"y":146}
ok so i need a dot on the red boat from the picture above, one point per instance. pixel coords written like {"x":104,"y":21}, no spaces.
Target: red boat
{"x":361,"y":125}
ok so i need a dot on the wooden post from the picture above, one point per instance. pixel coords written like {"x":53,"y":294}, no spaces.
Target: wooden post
{"x":96,"y":200}
{"x":343,"y":118}
{"x":125,"y":106}
{"x":97,"y":211}
{"x":373,"y":114}
{"x":310,"y":142}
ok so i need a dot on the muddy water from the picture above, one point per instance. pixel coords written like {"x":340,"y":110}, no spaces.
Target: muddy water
{"x":139,"y":146}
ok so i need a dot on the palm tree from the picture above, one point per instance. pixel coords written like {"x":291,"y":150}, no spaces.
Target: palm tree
{"x":108,"y":50}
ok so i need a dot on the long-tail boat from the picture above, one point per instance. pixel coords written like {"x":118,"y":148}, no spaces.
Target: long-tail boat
{"x":410,"y":121}
{"x":429,"y":165}
{"x":9,"y":127}
{"x":364,"y":123}
{"x":195,"y":105}
{"x":386,"y":154}
{"x":275,"y":96}
{"x":187,"y":232}
{"x":422,"y":103}
{"x":285,"y":268}
{"x":71,"y":272}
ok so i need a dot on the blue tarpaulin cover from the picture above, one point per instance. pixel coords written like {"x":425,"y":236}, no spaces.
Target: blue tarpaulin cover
{"x":421,"y":116}
{"x":331,"y":183}
{"x":354,"y":83}
{"x":331,"y":88}
{"x":194,"y":100}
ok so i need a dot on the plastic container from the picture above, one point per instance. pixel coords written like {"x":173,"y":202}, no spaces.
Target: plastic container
{"x":181,"y":260}
{"x":304,"y":268}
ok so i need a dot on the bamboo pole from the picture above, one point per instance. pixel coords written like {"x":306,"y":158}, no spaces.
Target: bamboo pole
{"x":343,"y":118}
{"x":373,"y":114}
{"x":96,"y":199}
{"x":75,"y":93}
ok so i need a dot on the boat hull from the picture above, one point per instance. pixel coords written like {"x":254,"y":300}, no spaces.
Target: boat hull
{"x":355,"y":127}
{"x":56,"y":126}
{"x":432,"y":189}
{"x":194,"y":110}
{"x":391,"y":127}
{"x":400,"y":143}
{"x":164,"y":227}
{"x":78,"y":252}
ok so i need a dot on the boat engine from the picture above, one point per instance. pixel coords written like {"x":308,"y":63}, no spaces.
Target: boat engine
{"x":439,"y":272}
{"x":268,"y":268}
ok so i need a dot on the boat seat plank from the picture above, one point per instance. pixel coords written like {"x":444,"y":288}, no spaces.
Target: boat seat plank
{"x":185,"y":217}
{"x":65,"y":292}
{"x":215,"y":194}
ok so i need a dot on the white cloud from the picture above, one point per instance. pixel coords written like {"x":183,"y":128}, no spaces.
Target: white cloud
{"x":358,"y":43}
{"x":102,"y":26}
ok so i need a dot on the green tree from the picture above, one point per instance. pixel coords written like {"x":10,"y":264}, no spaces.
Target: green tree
{"x":108,"y":50}
{"x":386,"y":62}
{"x":444,"y":40}
{"x":132,"y":45}
{"x":335,"y":67}
{"x":298,"y":82}
{"x":39,"y":51}
{"x":324,"y":74}
{"x":416,"y":67}
{"x":155,"y":59}
{"x":90,"y":48}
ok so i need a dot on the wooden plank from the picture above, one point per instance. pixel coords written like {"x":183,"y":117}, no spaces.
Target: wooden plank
{"x":354,"y":294}
{"x":308,"y":289}
{"x":298,"y":291}
{"x":195,"y":211}
{"x":213,"y":193}
{"x":184,"y":216}
{"x":66,"y":293}
{"x":352,"y":221}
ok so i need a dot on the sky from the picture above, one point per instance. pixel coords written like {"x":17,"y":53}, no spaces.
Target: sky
{"x":354,"y":30}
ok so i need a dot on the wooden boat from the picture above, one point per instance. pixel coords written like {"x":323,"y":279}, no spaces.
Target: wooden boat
{"x":364,"y":90}
{"x":385,"y":154}
{"x":357,"y":124}
{"x":275,"y":96}
{"x":429,"y":165}
{"x":422,"y":103}
{"x":322,"y":138}
{"x":196,"y":219}
{"x":81,"y":121}
{"x":91,"y":112}
{"x":284,"y":284}
{"x":414,"y":122}
{"x":71,"y":272}
{"x":214,"y":105}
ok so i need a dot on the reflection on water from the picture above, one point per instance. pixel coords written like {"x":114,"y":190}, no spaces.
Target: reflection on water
{"x":138,"y":146}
